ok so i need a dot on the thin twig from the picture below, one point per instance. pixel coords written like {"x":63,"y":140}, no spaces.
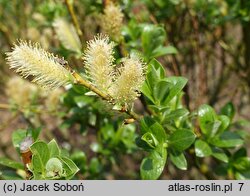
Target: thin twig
{"x":73,"y":17}
{"x":80,"y":80}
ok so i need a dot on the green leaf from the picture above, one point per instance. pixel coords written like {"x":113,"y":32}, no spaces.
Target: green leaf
{"x":178,"y":159}
{"x":40,"y":155}
{"x":227,"y":140}
{"x":35,"y":133}
{"x":153,"y":165}
{"x":242,"y":176}
{"x":160,"y":51}
{"x":202,"y":149}
{"x":80,"y":159}
{"x":207,"y":117}
{"x":242,"y":152}
{"x":155,"y":73}
{"x":161,"y":92}
{"x":18,"y":136}
{"x":176,"y":114}
{"x":69,"y":166}
{"x":145,"y":89}
{"x":149,"y":33}
{"x":10,"y":163}
{"x":228,"y":110}
{"x":219,"y":154}
{"x":178,"y":85}
{"x":225,"y":122}
{"x":181,"y":139}
{"x":150,"y":139}
{"x":53,"y":148}
{"x":242,"y":163}
{"x":147,"y":124}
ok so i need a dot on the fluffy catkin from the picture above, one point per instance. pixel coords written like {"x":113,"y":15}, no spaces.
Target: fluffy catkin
{"x":111,"y":21}
{"x":129,"y":79}
{"x":30,"y":59}
{"x":98,"y":59}
{"x":66,"y":33}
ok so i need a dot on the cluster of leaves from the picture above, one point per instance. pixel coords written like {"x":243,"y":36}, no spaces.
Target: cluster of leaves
{"x":48,"y":161}
{"x":168,"y":131}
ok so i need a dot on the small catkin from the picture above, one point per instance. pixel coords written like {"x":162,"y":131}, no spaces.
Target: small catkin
{"x":129,"y":79}
{"x":66,"y":33}
{"x":30,"y":59}
{"x":98,"y":60}
{"x":111,"y":21}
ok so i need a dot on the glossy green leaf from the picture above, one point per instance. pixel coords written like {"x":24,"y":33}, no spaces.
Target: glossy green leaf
{"x":178,"y":159}
{"x":155,"y":73}
{"x":161,"y":92}
{"x":242,"y":175}
{"x":227,"y":140}
{"x":207,"y":117}
{"x":150,"y":139}
{"x":202,"y":149}
{"x":176,"y":114}
{"x":213,"y":128}
{"x":219,"y":154}
{"x":242,"y":152}
{"x":178,"y":85}
{"x":228,"y":110}
{"x":242,"y":163}
{"x":149,"y":33}
{"x":146,"y":90}
{"x":153,"y":165}
{"x":225,"y":122}
{"x":147,"y":124}
{"x":181,"y":139}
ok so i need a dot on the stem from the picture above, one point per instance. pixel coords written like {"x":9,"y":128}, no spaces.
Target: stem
{"x":73,"y":17}
{"x":80,"y":80}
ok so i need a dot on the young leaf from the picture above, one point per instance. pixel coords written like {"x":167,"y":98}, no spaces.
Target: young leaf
{"x":18,"y":136}
{"x":69,"y":166}
{"x":147,"y":124}
{"x":150,"y":139}
{"x":181,"y":139}
{"x":40,"y":155}
{"x":53,"y":148}
{"x":202,"y":149}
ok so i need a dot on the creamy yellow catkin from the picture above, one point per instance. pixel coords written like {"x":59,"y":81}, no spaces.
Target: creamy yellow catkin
{"x":29,"y":59}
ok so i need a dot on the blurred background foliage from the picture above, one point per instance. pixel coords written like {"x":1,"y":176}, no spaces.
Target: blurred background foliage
{"x":206,"y":41}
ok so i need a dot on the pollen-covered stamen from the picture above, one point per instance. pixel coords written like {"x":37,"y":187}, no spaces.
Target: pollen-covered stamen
{"x":30,"y":59}
{"x":98,"y":59}
{"x":126,"y":87}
